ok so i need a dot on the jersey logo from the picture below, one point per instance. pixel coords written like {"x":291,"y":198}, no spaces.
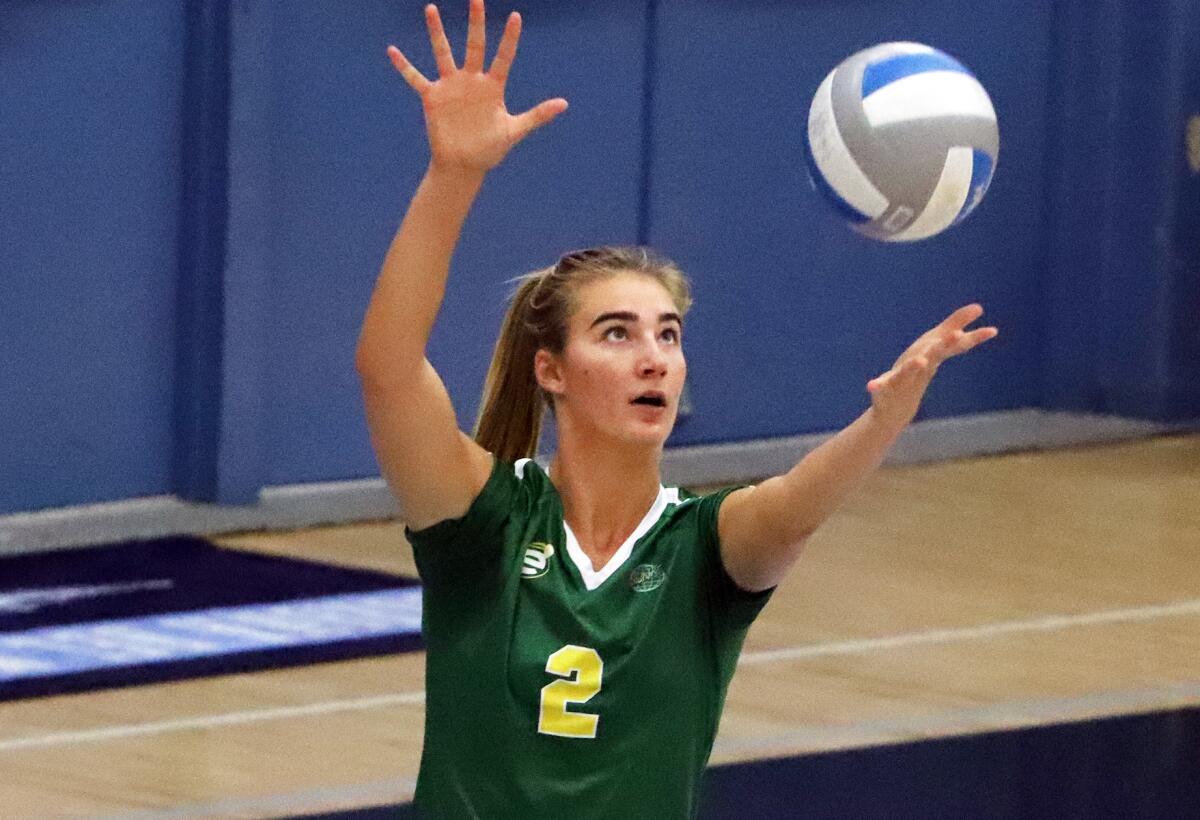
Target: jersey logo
{"x":537,"y":559}
{"x":646,"y":577}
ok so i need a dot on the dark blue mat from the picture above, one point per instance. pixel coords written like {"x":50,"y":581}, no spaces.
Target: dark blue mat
{"x":1144,"y":766}
{"x":168,"y":609}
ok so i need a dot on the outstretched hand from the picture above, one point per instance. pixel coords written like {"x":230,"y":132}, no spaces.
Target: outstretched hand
{"x":897,"y":394}
{"x":468,"y":123}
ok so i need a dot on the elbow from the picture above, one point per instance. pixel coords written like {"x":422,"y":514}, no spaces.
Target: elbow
{"x":369,"y":373}
{"x":365,"y":364}
{"x":379,"y":370}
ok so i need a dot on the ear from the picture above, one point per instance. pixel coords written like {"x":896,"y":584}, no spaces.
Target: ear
{"x":547,"y":370}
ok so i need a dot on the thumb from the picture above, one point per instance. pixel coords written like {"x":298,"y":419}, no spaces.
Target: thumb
{"x":538,"y":116}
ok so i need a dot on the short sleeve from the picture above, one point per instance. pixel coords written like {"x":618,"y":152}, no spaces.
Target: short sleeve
{"x":740,"y":607}
{"x":458,"y":548}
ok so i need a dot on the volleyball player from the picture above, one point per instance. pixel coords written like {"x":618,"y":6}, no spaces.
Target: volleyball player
{"x":582,"y":623}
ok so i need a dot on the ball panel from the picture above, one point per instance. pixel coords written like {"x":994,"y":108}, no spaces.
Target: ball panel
{"x":905,"y":164}
{"x":833,"y":159}
{"x":819,"y":183}
{"x":927,"y":96}
{"x":851,"y":121}
{"x":938,"y":135}
{"x":982,"y":165}
{"x":889,"y":70}
{"x":946,"y":201}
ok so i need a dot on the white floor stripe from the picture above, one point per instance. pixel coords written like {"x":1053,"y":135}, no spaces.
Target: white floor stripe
{"x":956,"y":722}
{"x":856,"y":647}
{"x":380,"y":793}
{"x":1050,"y":623}
{"x":210,"y":721}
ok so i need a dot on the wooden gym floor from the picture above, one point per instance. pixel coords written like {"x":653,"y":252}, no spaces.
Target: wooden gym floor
{"x":943,"y":599}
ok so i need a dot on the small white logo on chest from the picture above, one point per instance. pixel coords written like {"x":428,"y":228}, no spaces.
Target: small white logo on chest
{"x":537,"y":559}
{"x":646,"y":577}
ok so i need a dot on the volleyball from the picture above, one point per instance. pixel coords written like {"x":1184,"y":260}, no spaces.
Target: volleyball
{"x":902,"y":141}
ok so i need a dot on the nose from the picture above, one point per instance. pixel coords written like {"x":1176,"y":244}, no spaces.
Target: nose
{"x":653,"y":360}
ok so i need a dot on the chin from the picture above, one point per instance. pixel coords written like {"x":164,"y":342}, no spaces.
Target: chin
{"x":650,"y":436}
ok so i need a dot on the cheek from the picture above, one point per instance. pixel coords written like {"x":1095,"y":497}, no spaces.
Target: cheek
{"x":590,"y":374}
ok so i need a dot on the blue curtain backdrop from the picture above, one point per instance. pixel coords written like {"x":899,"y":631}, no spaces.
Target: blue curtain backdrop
{"x":193,"y":217}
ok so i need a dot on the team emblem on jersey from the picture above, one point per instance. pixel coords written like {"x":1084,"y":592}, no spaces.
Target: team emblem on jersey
{"x":537,"y":559}
{"x":646,"y":577}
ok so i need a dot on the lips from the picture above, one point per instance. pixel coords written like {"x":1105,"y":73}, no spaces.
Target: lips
{"x":651,"y":398}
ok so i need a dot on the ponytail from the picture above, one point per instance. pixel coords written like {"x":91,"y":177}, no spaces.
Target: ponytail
{"x":510,"y":414}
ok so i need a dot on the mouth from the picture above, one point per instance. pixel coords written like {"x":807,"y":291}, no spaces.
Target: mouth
{"x":651,"y":398}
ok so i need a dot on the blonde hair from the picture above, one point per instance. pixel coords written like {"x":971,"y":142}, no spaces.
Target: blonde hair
{"x":513,"y":404}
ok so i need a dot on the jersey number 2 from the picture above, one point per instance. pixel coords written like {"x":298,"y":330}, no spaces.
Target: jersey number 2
{"x":584,"y":668}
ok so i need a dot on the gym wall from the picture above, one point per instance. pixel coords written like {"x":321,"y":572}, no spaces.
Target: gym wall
{"x":196,"y":197}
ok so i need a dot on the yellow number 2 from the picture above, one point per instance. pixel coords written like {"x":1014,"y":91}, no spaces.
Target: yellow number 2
{"x":584,"y":668}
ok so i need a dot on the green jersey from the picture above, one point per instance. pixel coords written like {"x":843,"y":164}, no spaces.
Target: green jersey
{"x":556,"y":689}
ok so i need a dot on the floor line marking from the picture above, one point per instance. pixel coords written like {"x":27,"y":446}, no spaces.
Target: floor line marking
{"x":802,"y":739}
{"x":380,"y":792}
{"x":795,"y":741}
{"x":829,"y":649}
{"x":1050,"y":623}
{"x":210,"y":721}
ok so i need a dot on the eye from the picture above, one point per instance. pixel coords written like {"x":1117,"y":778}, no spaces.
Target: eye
{"x":671,"y":335}
{"x":616,"y":332}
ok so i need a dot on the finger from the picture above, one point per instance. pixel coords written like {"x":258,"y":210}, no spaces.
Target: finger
{"x":969,"y":341}
{"x":476,"y":38}
{"x":437,"y":38}
{"x":962,"y":317}
{"x":884,"y":380}
{"x":410,"y":74}
{"x":507,"y":51}
{"x":539,"y":115}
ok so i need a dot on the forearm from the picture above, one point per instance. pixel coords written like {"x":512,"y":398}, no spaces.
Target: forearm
{"x":412,"y":280}
{"x":823,"y":479}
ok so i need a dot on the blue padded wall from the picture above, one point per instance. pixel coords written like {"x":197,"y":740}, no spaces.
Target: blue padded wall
{"x":684,"y":131}
{"x":349,"y":149}
{"x":89,"y":194}
{"x":795,"y":312}
{"x":1122,"y":278}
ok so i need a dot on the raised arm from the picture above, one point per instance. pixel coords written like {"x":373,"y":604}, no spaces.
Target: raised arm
{"x":763,"y":529}
{"x":435,"y":469}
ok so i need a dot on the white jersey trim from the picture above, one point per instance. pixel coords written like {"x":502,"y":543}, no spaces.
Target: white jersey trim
{"x":592,"y":577}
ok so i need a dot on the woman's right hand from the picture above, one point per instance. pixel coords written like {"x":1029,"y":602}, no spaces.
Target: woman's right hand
{"x":468,"y":124}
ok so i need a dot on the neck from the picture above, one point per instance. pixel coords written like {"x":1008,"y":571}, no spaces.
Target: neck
{"x":606,"y":490}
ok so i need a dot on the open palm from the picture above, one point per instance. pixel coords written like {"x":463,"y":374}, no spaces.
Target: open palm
{"x":898,"y":392}
{"x":467,"y":121}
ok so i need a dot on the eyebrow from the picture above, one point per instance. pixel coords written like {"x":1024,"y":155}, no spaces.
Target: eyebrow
{"x":627,"y":316}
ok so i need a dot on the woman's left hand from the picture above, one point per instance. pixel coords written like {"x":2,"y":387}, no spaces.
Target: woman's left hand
{"x":896,"y":394}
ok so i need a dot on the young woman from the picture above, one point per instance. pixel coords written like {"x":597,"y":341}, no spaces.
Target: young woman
{"x":582,"y":623}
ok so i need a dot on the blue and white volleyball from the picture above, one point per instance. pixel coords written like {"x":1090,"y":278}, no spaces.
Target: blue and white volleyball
{"x":902,"y":140}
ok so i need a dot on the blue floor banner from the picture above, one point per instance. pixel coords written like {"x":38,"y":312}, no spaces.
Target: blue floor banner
{"x":174,"y":608}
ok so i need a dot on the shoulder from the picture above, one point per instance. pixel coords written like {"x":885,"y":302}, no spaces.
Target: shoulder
{"x":526,"y":466}
{"x":697,"y":511}
{"x":454,"y":551}
{"x":529,"y":476}
{"x":511,"y":489}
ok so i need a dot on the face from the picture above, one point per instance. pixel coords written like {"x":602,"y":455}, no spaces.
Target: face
{"x":621,"y":372}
